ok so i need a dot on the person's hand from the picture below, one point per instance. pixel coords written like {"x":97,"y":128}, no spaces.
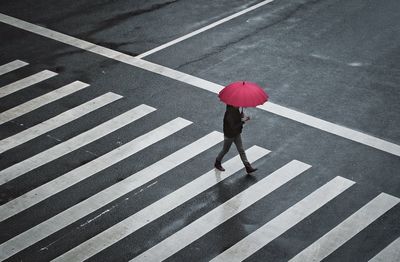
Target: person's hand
{"x":245,"y":118}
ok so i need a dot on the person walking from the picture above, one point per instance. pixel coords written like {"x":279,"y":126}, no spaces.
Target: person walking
{"x":233,"y":125}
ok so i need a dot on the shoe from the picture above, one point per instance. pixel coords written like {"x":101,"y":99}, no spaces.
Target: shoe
{"x":250,"y":169}
{"x":218,"y":165}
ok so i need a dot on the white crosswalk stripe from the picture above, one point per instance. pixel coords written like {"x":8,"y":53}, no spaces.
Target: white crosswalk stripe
{"x":57,"y":185}
{"x":14,"y":65}
{"x":41,"y":101}
{"x":57,"y":121}
{"x":283,"y":222}
{"x":336,"y":237}
{"x":158,"y":209}
{"x":391,"y":253}
{"x":25,"y":82}
{"x":74,"y":143}
{"x":222,"y":213}
{"x":106,"y":196}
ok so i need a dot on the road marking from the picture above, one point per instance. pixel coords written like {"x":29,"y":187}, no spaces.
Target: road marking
{"x":41,"y":101}
{"x":332,"y":128}
{"x":14,"y":65}
{"x":74,"y":143}
{"x":60,"y":37}
{"x":339,"y":235}
{"x":305,"y":119}
{"x":286,"y":220}
{"x":106,"y":196}
{"x":71,"y":178}
{"x":391,"y":253}
{"x":198,"y":31}
{"x":222,"y":213}
{"x":157,"y":209}
{"x":25,"y":82}
{"x":57,"y":121}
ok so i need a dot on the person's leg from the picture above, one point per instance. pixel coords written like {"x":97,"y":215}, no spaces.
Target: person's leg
{"x":240,"y":149}
{"x":242,"y":153}
{"x":227,"y":145}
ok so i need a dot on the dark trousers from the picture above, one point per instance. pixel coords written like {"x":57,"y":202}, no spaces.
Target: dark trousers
{"x":227,"y":145}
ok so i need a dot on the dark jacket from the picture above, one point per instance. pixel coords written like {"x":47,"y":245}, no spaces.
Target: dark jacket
{"x":232,"y":122}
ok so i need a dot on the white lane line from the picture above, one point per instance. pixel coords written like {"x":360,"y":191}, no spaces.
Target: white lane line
{"x":71,"y":178}
{"x":25,"y":82}
{"x":74,"y":143}
{"x":286,"y":220}
{"x":305,"y":119}
{"x":222,"y":213}
{"x":391,"y":253}
{"x":14,"y":65}
{"x":41,"y":101}
{"x":332,"y":128}
{"x":157,"y":209}
{"x":106,"y":196}
{"x":60,"y":37}
{"x":198,"y":31}
{"x":57,"y":121}
{"x":339,"y":235}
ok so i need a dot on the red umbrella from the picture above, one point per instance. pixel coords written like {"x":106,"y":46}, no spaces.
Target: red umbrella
{"x":243,"y":94}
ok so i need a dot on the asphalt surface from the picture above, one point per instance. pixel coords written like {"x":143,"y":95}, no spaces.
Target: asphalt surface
{"x":335,"y":60}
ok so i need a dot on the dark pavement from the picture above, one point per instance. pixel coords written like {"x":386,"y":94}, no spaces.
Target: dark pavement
{"x":334,"y":60}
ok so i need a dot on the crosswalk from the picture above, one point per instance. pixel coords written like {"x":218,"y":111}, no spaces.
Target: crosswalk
{"x":222,"y":213}
{"x":74,"y":143}
{"x":285,"y":221}
{"x":189,"y":233}
{"x":57,"y":121}
{"x":156,"y":210}
{"x":62,"y":182}
{"x":41,"y":101}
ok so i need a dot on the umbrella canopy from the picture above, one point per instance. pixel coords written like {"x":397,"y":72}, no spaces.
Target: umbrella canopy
{"x":243,"y":94}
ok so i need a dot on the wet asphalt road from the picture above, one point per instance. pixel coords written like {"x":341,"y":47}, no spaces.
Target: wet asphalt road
{"x":334,"y":60}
